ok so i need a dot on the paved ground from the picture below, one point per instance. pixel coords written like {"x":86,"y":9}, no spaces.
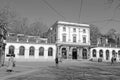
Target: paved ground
{"x":67,"y":70}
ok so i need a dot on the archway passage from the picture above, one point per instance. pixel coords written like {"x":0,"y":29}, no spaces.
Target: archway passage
{"x":74,"y":53}
{"x":84,"y":54}
{"x":64,"y":53}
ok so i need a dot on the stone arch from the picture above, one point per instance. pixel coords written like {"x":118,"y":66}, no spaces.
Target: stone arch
{"x":11,"y":50}
{"x":84,"y":53}
{"x":94,"y":53}
{"x":101,"y":53}
{"x":107,"y":54}
{"x":74,"y":53}
{"x":64,"y":52}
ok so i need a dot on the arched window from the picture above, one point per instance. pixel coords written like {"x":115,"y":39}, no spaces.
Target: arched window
{"x":11,"y":50}
{"x":50,"y":51}
{"x":107,"y":54}
{"x":31,"y":51}
{"x":21,"y":50}
{"x":94,"y":53}
{"x":101,"y":53}
{"x":113,"y":53}
{"x":41,"y":51}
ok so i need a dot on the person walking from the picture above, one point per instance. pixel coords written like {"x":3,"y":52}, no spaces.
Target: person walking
{"x":56,"y":61}
{"x":10,"y":64}
{"x":112,"y":60}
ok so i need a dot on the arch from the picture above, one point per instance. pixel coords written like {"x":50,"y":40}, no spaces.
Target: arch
{"x":50,"y":51}
{"x":113,"y":53}
{"x":84,"y":53}
{"x":64,"y":53}
{"x":101,"y":53}
{"x":107,"y":54}
{"x":41,"y":51}
{"x":31,"y":51}
{"x":74,"y":53}
{"x":11,"y":50}
{"x":21,"y":50}
{"x":94,"y":52}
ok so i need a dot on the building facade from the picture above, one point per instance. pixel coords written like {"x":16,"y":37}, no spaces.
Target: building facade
{"x":71,"y":39}
{"x":105,"y":50}
{"x":29,"y":48}
{"x":105,"y":53}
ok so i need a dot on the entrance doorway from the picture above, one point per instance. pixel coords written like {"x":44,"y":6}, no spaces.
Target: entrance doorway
{"x":84,"y":53}
{"x":74,"y":53}
{"x":64,"y":53}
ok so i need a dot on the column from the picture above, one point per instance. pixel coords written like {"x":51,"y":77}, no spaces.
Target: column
{"x":26,"y":53}
{"x":46,"y":53}
{"x":36,"y":53}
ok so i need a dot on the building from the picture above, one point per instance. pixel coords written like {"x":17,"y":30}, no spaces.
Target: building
{"x":72,"y":39}
{"x":105,"y":51}
{"x":29,"y":48}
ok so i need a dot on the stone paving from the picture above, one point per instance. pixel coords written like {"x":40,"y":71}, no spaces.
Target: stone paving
{"x":67,"y":70}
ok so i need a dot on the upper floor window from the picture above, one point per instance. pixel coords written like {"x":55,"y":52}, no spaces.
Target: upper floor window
{"x":74,"y":29}
{"x":64,"y":38}
{"x":21,"y":50}
{"x":84,"y":31}
{"x":74,"y":38}
{"x":64,"y":28}
{"x":84,"y":39}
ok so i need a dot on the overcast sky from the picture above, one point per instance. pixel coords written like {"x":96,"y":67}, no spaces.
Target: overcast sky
{"x":93,"y":11}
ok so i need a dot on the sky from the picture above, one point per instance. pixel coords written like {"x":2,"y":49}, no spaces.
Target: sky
{"x":101,"y":13}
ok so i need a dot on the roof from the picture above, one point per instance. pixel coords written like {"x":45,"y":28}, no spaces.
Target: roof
{"x":70,"y":23}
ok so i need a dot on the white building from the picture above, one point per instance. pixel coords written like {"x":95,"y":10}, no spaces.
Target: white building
{"x":72,"y":39}
{"x":105,"y":53}
{"x":30,"y":48}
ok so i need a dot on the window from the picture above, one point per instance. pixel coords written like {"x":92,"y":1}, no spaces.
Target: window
{"x":31,"y":51}
{"x":107,"y":54}
{"x":94,"y":53}
{"x":41,"y":51}
{"x":21,"y":50}
{"x":64,"y":38}
{"x":84,"y":31}
{"x":101,"y":53}
{"x":64,"y":28}
{"x":113,"y":53}
{"x":74,"y":38}
{"x":84,"y":39}
{"x":74,"y":29}
{"x":50,"y":51}
{"x":11,"y":50}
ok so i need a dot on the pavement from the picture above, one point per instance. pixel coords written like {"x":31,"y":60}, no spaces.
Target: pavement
{"x":66,"y":70}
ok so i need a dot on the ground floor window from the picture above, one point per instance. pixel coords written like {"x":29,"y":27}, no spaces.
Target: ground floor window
{"x":31,"y":51}
{"x":21,"y":50}
{"x":101,"y":53}
{"x":107,"y":54}
{"x":11,"y":50}
{"x":50,"y":51}
{"x":64,"y":53}
{"x":94,"y":53}
{"x":41,"y":51}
